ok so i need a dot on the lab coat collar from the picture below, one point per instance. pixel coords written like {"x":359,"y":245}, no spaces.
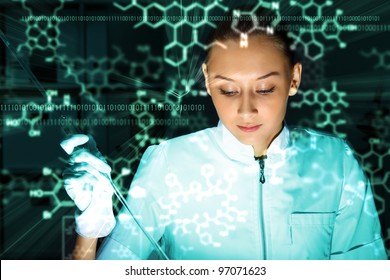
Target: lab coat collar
{"x":244,"y":153}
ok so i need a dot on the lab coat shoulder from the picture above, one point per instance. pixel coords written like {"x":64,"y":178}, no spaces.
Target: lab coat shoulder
{"x":323,"y":142}
{"x":319,"y":154}
{"x":157,"y":160}
{"x":127,"y":241}
{"x":195,"y":143}
{"x":156,"y":170}
{"x":357,"y":215}
{"x":356,"y":228}
{"x":197,"y":148}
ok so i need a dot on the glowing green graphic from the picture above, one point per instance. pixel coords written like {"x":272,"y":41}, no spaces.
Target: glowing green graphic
{"x":42,"y":35}
{"x":383,"y":58}
{"x":201,"y":12}
{"x":52,"y":178}
{"x":151,"y":67}
{"x":251,"y":14}
{"x":145,"y":120}
{"x":309,"y":37}
{"x":11,"y":182}
{"x":374,"y":162}
{"x":33,"y":119}
{"x":96,"y":72}
{"x":330,"y":103}
{"x":215,"y":186}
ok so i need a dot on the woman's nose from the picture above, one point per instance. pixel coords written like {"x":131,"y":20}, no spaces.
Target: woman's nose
{"x":247,"y":105}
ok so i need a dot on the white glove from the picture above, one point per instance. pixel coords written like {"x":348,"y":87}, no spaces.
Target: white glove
{"x":87,"y":182}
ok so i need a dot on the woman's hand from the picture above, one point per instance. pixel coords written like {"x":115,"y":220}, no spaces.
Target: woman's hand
{"x":87,"y":182}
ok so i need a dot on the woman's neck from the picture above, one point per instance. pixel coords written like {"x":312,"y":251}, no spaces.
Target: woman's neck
{"x":261,"y":149}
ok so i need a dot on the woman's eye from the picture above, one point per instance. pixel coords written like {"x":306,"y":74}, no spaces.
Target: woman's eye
{"x":266,"y":91}
{"x":228,"y":92}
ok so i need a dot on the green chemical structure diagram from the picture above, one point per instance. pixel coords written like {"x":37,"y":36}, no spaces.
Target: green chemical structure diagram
{"x":98,"y":70}
{"x":331,"y":103}
{"x":308,"y":37}
{"x":383,"y":58}
{"x":42,"y":35}
{"x":55,"y":193}
{"x":317,"y":27}
{"x":151,"y":67}
{"x":374,"y":162}
{"x":92,"y":74}
{"x":53,"y":179}
{"x":31,"y":114}
{"x":176,"y":52}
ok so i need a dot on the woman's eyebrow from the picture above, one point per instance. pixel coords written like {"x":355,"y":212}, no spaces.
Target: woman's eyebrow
{"x":223,"y":78}
{"x":273,"y":73}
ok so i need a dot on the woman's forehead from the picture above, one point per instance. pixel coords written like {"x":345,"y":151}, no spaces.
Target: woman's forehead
{"x":259,"y":55}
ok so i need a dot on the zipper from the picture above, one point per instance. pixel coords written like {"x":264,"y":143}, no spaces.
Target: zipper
{"x":260,"y":160}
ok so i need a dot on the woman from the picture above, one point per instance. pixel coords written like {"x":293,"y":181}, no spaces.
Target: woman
{"x":250,"y":188}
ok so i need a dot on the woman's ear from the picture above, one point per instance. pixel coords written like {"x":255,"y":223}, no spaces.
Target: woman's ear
{"x":206,"y":77}
{"x":295,"y":79}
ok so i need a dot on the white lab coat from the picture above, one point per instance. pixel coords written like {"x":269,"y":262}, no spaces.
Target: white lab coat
{"x":200,"y":197}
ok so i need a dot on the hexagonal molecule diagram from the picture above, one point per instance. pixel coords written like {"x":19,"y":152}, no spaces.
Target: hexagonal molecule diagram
{"x":331,"y":102}
{"x":193,"y":16}
{"x":383,"y":58}
{"x":310,"y":37}
{"x":42,"y":33}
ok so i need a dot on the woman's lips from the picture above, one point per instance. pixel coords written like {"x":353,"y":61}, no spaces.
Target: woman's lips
{"x":250,"y":128}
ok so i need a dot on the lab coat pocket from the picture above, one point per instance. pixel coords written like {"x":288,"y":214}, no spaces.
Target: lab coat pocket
{"x":311,"y":234}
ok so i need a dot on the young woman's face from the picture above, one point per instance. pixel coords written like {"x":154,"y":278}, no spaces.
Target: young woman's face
{"x":250,"y":88}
